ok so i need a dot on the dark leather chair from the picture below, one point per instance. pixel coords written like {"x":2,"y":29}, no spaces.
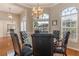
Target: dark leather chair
{"x":41,"y":44}
{"x":62,"y":45}
{"x":24,"y":51}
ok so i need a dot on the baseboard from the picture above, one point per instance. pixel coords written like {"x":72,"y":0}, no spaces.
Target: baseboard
{"x":73,"y":48}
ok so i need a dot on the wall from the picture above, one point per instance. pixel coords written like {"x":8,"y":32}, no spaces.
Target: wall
{"x":4,"y":20}
{"x":56,"y":15}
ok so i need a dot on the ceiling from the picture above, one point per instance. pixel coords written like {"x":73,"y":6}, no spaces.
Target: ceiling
{"x":30,"y":5}
{"x":9,"y":7}
{"x":17,"y":8}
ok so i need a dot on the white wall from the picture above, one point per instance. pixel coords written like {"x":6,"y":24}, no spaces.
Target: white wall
{"x":4,"y":20}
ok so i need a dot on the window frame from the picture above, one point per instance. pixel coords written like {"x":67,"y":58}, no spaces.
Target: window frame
{"x":76,"y":27}
{"x":42,"y":19}
{"x":23,"y":24}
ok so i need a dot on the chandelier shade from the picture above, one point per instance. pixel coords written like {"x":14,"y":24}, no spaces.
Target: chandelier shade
{"x":10,"y":16}
{"x":37,"y":11}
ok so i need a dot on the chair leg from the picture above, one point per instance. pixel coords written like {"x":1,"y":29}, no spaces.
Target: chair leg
{"x":65,"y":54}
{"x":15,"y":54}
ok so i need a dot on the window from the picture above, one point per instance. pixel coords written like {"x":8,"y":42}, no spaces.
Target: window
{"x":69,"y":22}
{"x":23,"y":24}
{"x":42,"y":22}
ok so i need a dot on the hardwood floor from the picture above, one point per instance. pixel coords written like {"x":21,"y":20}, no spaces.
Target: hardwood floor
{"x":71,"y":52}
{"x":6,"y":46}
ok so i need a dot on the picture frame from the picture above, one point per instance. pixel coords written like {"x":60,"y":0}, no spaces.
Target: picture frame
{"x":54,"y":22}
{"x":10,"y":26}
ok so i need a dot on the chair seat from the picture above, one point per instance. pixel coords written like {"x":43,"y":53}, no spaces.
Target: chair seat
{"x":26,"y":51}
{"x":59,"y":50}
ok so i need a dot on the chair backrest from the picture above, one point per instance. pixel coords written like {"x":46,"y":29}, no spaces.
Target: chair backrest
{"x":23,"y":35}
{"x":41,"y":44}
{"x":11,"y":30}
{"x":16,"y":43}
{"x":66,"y":37}
{"x":37,"y":31}
{"x":56,"y":34}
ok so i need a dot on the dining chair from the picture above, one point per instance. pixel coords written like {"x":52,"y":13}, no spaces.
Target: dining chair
{"x":61,"y":47}
{"x":24,"y":36}
{"x":41,"y":44}
{"x":56,"y":34}
{"x":24,"y":51}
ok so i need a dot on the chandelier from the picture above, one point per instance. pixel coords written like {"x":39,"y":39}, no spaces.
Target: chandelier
{"x":9,"y":14}
{"x":37,"y":11}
